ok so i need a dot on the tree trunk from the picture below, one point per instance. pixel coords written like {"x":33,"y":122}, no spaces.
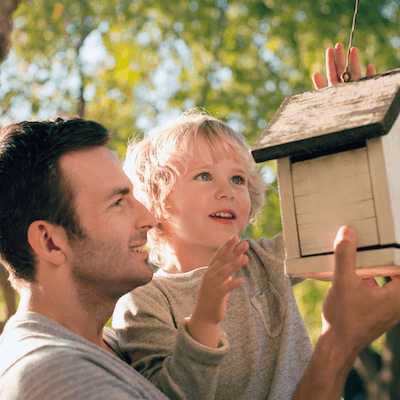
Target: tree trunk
{"x":8,"y":296}
{"x":7,"y":7}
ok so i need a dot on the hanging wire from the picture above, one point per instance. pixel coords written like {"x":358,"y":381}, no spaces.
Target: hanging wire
{"x":346,"y":76}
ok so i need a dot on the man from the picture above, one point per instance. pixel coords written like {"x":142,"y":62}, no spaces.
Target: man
{"x":72,"y":237}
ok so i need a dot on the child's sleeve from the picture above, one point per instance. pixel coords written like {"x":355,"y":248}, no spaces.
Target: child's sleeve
{"x":274,"y":249}
{"x":161,"y":349}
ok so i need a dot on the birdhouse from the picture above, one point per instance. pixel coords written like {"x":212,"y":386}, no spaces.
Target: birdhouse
{"x":338,"y":163}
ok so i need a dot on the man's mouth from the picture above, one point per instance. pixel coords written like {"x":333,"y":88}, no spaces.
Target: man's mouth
{"x":137,"y":249}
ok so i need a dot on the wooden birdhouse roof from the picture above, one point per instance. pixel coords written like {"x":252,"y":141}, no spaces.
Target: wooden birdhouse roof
{"x":337,"y":116}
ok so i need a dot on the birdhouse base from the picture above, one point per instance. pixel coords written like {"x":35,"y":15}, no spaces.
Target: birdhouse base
{"x":369,"y":263}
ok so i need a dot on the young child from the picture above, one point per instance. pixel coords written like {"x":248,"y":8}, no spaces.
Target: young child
{"x":195,"y":175}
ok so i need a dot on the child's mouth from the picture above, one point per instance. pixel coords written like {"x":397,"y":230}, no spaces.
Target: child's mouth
{"x":224,"y":217}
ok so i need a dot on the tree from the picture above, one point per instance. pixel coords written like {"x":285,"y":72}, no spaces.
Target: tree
{"x":6,"y":11}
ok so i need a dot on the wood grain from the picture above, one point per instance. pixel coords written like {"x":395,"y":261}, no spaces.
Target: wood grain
{"x":324,"y":119}
{"x":332,"y":191}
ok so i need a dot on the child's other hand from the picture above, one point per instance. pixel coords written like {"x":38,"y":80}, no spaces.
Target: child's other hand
{"x":217,"y":283}
{"x":336,"y":65}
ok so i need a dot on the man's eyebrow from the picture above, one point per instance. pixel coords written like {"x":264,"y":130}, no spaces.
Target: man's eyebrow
{"x":122,"y":191}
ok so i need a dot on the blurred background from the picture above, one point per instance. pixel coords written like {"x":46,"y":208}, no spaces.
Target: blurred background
{"x":132,"y":64}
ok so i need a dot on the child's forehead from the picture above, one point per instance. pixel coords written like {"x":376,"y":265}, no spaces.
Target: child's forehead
{"x":207,"y":156}
{"x":208,"y":150}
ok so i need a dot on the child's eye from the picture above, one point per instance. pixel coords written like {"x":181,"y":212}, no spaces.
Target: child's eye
{"x":238,"y":180}
{"x":204,"y":176}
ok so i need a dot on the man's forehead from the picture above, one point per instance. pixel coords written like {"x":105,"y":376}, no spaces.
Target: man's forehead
{"x":95,"y":168}
{"x":93,"y":154}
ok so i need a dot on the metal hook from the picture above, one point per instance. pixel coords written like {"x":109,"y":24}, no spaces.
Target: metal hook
{"x":346,"y":76}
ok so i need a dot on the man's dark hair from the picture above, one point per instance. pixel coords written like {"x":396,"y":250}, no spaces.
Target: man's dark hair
{"x":33,"y":187}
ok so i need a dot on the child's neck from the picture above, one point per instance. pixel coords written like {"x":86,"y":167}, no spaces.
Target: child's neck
{"x":185,"y":259}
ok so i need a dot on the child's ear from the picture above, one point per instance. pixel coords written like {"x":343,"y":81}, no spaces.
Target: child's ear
{"x":48,"y":241}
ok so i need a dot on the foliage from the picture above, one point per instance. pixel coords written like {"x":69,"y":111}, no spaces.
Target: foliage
{"x":238,"y":59}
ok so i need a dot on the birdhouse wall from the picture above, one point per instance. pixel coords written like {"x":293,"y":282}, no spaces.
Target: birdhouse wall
{"x":329,"y":191}
{"x":391,"y":155}
{"x":358,"y":187}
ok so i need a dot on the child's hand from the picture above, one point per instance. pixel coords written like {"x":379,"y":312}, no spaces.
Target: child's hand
{"x":336,"y":65}
{"x":217,"y":283}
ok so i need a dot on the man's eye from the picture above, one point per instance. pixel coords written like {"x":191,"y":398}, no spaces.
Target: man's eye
{"x":118,"y":202}
{"x":204,"y":176}
{"x":238,"y":180}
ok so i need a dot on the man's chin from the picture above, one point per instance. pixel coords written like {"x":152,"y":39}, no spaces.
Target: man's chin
{"x":144,"y":276}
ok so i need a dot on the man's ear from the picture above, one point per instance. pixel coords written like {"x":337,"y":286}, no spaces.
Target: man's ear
{"x":48,"y":241}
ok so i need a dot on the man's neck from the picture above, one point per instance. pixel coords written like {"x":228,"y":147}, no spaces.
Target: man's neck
{"x":68,"y":312}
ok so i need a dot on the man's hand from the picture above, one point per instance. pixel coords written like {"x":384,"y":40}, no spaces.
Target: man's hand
{"x":336,"y":65}
{"x":217,"y":283}
{"x":356,"y":311}
{"x":354,"y":314}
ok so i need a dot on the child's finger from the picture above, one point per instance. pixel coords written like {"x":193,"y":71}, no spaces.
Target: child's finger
{"x":233,"y":254}
{"x":224,"y":273}
{"x":230,"y":285}
{"x":226,"y":247}
{"x":228,"y":252}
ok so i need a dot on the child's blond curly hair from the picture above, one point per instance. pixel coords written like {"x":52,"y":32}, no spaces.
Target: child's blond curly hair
{"x":154,"y":163}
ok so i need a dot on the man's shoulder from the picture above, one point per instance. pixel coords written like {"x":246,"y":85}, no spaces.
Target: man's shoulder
{"x":32,"y":342}
{"x":36,"y":367}
{"x":32,"y":333}
{"x":65,"y":373}
{"x":38,"y":363}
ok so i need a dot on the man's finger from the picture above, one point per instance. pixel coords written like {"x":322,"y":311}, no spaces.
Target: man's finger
{"x":319,"y":81}
{"x":355,"y":68}
{"x":345,"y":255}
{"x":331,"y":67}
{"x":371,"y":282}
{"x":340,"y":59}
{"x":370,"y":70}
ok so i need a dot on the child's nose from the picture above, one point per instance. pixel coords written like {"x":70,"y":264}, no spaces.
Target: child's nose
{"x":224,"y":190}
